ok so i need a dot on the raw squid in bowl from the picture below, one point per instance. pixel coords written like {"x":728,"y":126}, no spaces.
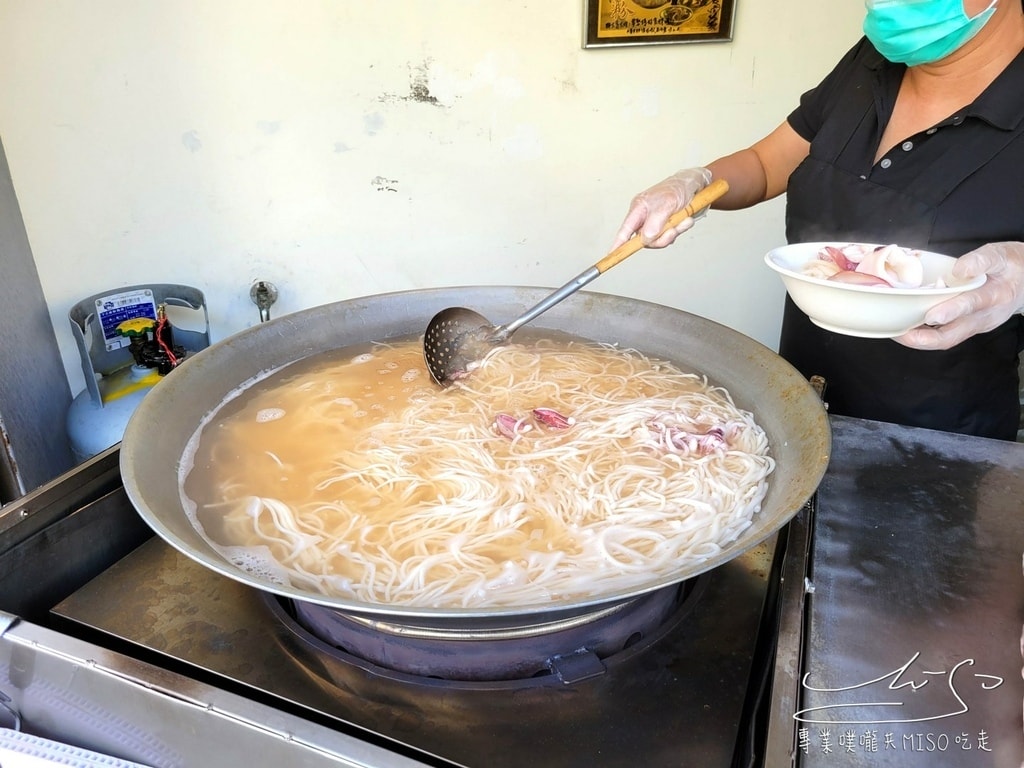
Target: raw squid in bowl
{"x":859,"y":264}
{"x":864,"y":289}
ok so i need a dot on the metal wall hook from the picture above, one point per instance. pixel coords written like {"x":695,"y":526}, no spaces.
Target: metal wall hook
{"x":263,"y":295}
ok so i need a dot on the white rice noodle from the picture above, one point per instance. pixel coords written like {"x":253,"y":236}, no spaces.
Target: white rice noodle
{"x":437,"y":508}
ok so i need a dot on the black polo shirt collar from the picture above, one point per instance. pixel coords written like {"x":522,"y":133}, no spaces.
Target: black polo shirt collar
{"x":1000,"y":105}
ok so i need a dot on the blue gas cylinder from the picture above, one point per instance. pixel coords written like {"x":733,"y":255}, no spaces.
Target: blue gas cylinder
{"x":93,"y":426}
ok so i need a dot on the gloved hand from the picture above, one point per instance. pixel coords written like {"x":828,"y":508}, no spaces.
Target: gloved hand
{"x":650,"y":210}
{"x":979,"y":310}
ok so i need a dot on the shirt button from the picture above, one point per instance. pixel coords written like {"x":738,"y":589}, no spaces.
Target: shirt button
{"x":930,"y":131}
{"x":906,"y":146}
{"x":886,"y":163}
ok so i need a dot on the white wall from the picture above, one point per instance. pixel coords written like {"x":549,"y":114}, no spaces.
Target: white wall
{"x":345,"y":148}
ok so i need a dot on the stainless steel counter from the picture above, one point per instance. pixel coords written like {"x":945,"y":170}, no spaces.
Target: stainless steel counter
{"x":915,"y":603}
{"x":898,"y":637}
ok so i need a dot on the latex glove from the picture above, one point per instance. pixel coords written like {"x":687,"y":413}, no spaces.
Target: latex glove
{"x":979,"y":310}
{"x":650,"y":210}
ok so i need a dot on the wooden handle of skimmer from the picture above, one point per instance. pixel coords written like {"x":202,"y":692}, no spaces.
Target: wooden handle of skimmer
{"x":701,"y":200}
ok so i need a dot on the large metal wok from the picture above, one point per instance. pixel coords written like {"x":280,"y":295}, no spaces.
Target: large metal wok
{"x":783,"y":402}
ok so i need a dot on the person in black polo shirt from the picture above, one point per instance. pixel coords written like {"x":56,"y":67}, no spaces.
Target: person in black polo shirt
{"x":916,"y":138}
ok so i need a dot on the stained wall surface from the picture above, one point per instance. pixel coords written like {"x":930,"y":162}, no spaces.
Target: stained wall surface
{"x":339,"y":149}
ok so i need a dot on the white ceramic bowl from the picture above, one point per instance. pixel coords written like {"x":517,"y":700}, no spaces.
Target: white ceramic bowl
{"x":877,"y":312}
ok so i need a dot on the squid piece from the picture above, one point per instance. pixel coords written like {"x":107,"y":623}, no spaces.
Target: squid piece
{"x":899,"y":267}
{"x":510,"y":426}
{"x":821,"y":269}
{"x":553,"y":418}
{"x":831,"y":261}
{"x":858,"y":278}
{"x":678,"y":439}
{"x":845,"y":258}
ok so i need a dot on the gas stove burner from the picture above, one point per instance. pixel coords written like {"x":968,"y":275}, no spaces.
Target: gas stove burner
{"x":516,"y":650}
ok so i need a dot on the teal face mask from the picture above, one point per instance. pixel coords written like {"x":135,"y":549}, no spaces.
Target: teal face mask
{"x":915,"y":32}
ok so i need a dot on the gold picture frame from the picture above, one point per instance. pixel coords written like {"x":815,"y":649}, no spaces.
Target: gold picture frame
{"x":656,"y":22}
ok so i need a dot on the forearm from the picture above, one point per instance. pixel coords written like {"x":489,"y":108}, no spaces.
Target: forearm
{"x":761,"y":171}
{"x":746,"y":177}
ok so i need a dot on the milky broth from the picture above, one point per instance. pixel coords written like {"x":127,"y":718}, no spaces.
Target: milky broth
{"x":354,"y":474}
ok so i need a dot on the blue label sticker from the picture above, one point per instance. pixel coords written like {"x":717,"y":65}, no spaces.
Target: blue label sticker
{"x":115,"y":309}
